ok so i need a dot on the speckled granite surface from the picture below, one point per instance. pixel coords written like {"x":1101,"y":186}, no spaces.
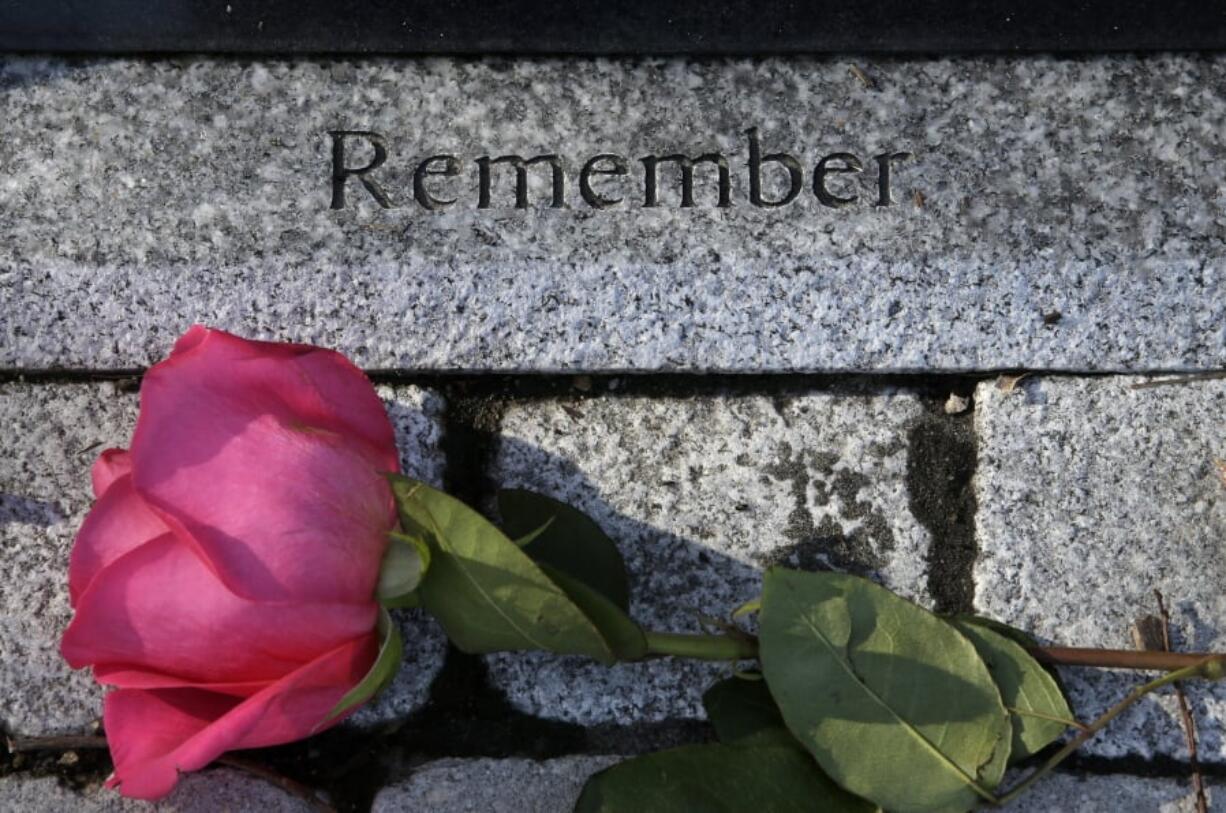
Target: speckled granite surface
{"x":493,"y":785}
{"x":701,"y":495}
{"x":214,"y":791}
{"x":1056,"y":213}
{"x":1091,"y":495}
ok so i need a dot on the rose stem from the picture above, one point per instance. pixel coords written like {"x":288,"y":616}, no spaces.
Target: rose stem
{"x":1154,"y":660}
{"x":742,"y":646}
{"x":703,"y":647}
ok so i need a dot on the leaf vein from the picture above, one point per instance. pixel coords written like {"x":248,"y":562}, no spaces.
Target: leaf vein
{"x":907,"y":726}
{"x":473,"y":581}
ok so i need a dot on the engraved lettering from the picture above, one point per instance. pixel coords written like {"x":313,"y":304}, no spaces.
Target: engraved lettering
{"x":650,"y":162}
{"x":756,"y":160}
{"x":849,"y":163}
{"x":341,"y":173}
{"x":590,"y":196}
{"x":606,"y":180}
{"x":451,"y":168}
{"x":521,"y":179}
{"x":884,"y":196}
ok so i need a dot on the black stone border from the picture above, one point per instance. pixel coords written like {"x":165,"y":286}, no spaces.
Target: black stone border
{"x":601,"y":27}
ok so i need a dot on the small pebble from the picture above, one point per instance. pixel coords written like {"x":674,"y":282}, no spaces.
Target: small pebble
{"x":957,"y":404}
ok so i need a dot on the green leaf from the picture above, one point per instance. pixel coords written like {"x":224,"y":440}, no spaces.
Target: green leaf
{"x":744,"y":713}
{"x":624,"y":637}
{"x":404,"y":563}
{"x":391,"y":652}
{"x":748,"y":608}
{"x":402,"y":602}
{"x":524,"y":541}
{"x":487,"y":594}
{"x":716,"y":778}
{"x":567,"y":539}
{"x":1024,"y":685}
{"x":1017,"y":636}
{"x":1020,"y":637}
{"x":893,"y":702}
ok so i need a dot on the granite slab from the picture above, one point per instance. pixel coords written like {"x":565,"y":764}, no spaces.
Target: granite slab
{"x":52,"y":434}
{"x":1112,"y":793}
{"x":701,"y":494}
{"x":1092,"y":494}
{"x":207,"y":792}
{"x":493,"y":785}
{"x":863,"y":214}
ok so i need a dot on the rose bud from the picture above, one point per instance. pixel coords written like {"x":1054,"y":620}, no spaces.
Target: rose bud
{"x":224,"y":581}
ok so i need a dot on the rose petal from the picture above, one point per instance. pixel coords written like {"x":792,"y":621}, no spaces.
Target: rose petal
{"x":144,"y":729}
{"x":118,"y":522}
{"x":109,"y":467}
{"x":160,"y":608}
{"x":270,"y":457}
{"x":282,"y":512}
{"x":156,"y":734}
{"x":312,"y":385}
{"x":124,"y":676}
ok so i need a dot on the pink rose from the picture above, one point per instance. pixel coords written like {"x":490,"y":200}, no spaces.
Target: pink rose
{"x":224,"y":580}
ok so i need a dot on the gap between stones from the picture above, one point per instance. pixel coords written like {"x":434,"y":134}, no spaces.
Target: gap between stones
{"x":465,"y":715}
{"x":942,"y":455}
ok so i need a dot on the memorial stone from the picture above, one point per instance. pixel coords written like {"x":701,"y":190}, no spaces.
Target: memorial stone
{"x":856,"y":288}
{"x":803,"y":214}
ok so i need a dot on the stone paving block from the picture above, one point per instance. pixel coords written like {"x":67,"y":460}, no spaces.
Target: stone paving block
{"x":52,"y":433}
{"x":1113,"y":793}
{"x":425,"y":647}
{"x":701,"y":494}
{"x":213,"y":791}
{"x":1091,"y":495}
{"x":1056,"y":213}
{"x":417,"y":416}
{"x":493,"y":785}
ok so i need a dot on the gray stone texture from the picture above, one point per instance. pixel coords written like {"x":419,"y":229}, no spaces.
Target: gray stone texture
{"x":1057,"y":213}
{"x":1111,"y":794}
{"x":701,"y":494}
{"x":416,"y":414}
{"x":52,"y":436}
{"x":53,"y":433}
{"x":425,"y":647}
{"x":212,"y":791}
{"x":1091,"y":495}
{"x":493,"y":786}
